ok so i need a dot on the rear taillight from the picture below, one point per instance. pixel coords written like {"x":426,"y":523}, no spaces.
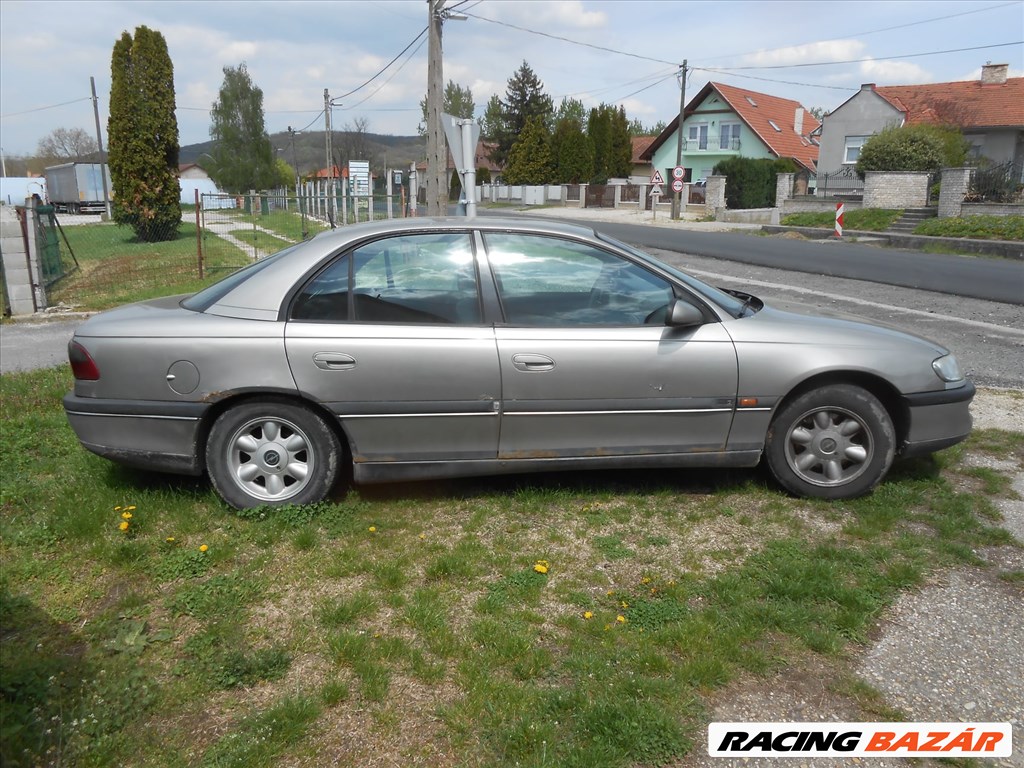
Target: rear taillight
{"x":82,"y":364}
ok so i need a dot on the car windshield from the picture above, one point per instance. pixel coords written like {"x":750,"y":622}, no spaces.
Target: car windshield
{"x":206,"y":298}
{"x":736,"y":307}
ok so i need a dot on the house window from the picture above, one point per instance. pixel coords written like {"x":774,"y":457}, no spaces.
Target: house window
{"x":729,"y":136}
{"x":698,"y":134}
{"x":853,"y":145}
{"x":775,"y":125}
{"x":752,"y":102}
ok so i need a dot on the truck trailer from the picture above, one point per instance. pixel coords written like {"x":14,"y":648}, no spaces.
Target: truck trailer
{"x":77,"y":187}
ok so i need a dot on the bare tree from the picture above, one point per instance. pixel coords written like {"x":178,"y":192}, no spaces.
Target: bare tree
{"x":66,"y":144}
{"x":352,"y":144}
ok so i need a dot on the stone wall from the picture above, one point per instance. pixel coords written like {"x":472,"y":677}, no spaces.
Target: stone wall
{"x":892,"y":189}
{"x":955,"y":183}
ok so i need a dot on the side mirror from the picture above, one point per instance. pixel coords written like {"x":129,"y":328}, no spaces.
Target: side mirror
{"x":682,"y":314}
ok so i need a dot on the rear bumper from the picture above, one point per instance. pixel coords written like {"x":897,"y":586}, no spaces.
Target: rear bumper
{"x":937,"y":420}
{"x":154,"y":435}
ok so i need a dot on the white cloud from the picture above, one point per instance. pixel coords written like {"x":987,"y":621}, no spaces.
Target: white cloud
{"x":540,"y":15}
{"x":893,"y":72}
{"x":826,"y":50}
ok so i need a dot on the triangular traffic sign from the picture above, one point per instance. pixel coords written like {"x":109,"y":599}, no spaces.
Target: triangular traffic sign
{"x":657,"y":178}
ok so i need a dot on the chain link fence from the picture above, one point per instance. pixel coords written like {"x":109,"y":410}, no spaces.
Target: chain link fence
{"x":104,"y":264}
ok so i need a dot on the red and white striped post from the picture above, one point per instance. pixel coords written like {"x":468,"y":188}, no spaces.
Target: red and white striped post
{"x":839,"y":220}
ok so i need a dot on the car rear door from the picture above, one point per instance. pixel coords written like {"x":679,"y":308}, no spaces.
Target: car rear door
{"x":389,"y":337}
{"x":588,"y":365}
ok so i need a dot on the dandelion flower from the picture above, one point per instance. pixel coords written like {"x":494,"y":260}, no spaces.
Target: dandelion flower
{"x":373,"y":529}
{"x":203,"y":548}
{"x":610,"y":592}
{"x":123,"y":526}
{"x":170,"y":539}
{"x":621,"y":619}
{"x":130,"y":507}
{"x":625,"y":605}
{"x":541,"y":566}
{"x":117,"y":508}
{"x":645,"y":580}
{"x":423,"y":536}
{"x":588,"y":615}
{"x":126,"y":515}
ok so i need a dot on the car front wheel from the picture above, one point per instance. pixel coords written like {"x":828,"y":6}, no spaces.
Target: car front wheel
{"x":271,"y":452}
{"x":835,"y":442}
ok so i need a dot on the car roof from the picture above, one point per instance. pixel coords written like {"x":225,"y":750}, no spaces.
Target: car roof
{"x":260,"y":297}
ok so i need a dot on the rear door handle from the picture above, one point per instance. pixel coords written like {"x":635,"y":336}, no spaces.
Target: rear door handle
{"x":532,"y":362}
{"x":334,"y":361}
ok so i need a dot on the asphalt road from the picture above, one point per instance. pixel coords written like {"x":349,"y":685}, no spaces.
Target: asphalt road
{"x":973,"y":277}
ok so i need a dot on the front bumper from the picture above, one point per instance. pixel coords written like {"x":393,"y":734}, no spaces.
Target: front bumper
{"x":153,"y":435}
{"x":937,"y":420}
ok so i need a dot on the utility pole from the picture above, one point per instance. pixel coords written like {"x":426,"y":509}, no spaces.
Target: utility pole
{"x":678,"y":196}
{"x":99,"y":146}
{"x":330,"y":163}
{"x":437,"y":197}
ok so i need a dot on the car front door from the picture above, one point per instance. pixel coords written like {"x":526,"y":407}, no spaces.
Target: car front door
{"x":389,"y":337}
{"x":589,"y":366}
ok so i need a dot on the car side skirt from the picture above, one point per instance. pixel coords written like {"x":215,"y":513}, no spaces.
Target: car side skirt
{"x":371,"y":472}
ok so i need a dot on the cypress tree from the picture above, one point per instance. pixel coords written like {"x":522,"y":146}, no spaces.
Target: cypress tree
{"x":142,"y":133}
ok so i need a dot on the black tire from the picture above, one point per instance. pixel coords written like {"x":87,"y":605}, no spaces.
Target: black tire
{"x":836,"y":442}
{"x":272,"y":452}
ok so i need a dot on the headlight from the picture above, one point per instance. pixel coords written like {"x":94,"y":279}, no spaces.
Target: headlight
{"x":947,"y":368}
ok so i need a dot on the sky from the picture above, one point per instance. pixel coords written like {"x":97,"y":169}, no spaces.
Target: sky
{"x":624,"y":52}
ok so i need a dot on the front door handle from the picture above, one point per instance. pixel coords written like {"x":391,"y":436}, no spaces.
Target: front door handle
{"x":334,"y":361}
{"x":532,"y":362}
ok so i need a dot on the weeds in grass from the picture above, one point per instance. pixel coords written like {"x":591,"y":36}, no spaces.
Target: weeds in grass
{"x":565,"y":621}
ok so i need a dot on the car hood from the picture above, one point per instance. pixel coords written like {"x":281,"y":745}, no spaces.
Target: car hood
{"x":787,"y":322}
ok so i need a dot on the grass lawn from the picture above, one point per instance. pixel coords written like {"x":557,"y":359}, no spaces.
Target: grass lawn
{"x":115,"y":268}
{"x":567,"y":620}
{"x":863,"y":219}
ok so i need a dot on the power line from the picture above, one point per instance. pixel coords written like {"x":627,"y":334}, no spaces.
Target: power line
{"x":43,"y":109}
{"x":772,"y":80}
{"x":871,"y":32}
{"x":567,"y":40}
{"x":873,"y":58}
{"x":393,"y":74}
{"x":381,"y":72}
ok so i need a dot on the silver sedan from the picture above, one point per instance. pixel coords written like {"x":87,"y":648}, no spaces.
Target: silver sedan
{"x":454,"y":347}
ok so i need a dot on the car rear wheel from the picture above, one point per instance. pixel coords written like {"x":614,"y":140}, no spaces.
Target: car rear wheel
{"x":836,"y":442}
{"x":271,"y":452}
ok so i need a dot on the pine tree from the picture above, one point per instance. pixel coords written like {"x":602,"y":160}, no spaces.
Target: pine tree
{"x":243,"y":158}
{"x":529,"y":161}
{"x":524,"y":99}
{"x":143,"y":136}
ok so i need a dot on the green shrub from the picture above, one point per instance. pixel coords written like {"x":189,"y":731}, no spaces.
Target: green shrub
{"x":865,"y":219}
{"x":751,"y":183}
{"x":913,"y":148}
{"x":977,"y":227}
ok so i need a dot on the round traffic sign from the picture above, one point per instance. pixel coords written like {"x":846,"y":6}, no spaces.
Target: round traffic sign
{"x":677,"y":185}
{"x":678,"y":172}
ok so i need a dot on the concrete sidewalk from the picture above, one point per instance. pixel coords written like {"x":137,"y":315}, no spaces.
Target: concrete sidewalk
{"x":629,"y":215}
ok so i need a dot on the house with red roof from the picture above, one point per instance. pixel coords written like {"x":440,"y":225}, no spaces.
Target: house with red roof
{"x":723,"y":121}
{"x":989,"y":111}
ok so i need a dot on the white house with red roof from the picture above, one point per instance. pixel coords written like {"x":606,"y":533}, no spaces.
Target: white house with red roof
{"x":989,"y":111}
{"x":722,"y":122}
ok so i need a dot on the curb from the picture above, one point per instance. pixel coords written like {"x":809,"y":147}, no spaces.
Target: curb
{"x":1007,"y":249}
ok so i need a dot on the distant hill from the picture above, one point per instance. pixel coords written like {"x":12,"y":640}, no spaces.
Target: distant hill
{"x":310,"y":152}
